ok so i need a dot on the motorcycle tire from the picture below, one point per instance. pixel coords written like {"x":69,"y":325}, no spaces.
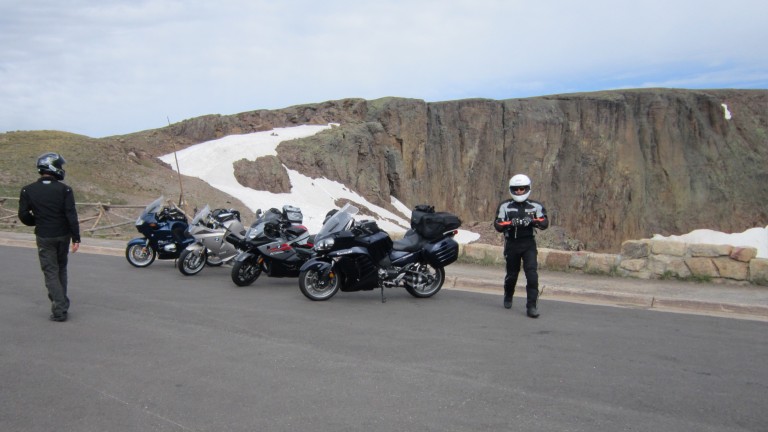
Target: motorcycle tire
{"x":192,"y":262}
{"x":315,"y":289}
{"x":245,"y":272}
{"x":427,"y":283}
{"x":140,"y":255}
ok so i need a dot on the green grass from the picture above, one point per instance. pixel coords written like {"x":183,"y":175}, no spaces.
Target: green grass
{"x":99,"y":170}
{"x":697,"y":278}
{"x":614,"y":271}
{"x":669,"y":275}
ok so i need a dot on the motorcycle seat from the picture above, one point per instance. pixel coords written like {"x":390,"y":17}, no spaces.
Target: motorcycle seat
{"x":411,"y":242}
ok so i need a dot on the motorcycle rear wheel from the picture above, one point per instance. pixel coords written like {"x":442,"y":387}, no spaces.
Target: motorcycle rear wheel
{"x":245,"y":272}
{"x":140,"y":255}
{"x":191,"y":262}
{"x":314,"y":288}
{"x":427,"y":283}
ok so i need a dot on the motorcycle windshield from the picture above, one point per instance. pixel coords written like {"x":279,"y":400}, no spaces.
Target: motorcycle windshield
{"x":257,"y":228}
{"x":271,"y":215}
{"x":153,"y":207}
{"x":202,"y":215}
{"x":340,"y":221}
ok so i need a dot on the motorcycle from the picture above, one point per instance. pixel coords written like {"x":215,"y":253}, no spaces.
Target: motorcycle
{"x":276,"y":244}
{"x":355,"y":256}
{"x":163,"y":231}
{"x":210,"y":230}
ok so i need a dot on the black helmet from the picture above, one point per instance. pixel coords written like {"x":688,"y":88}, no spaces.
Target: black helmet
{"x":51,"y":163}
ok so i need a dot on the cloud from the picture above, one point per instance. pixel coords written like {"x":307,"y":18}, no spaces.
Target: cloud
{"x":112,"y":67}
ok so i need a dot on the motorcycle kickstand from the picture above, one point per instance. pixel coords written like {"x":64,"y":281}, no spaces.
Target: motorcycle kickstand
{"x":381,"y":285}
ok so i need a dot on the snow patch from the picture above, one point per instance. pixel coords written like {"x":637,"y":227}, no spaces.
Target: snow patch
{"x":753,"y":237}
{"x":725,"y":110}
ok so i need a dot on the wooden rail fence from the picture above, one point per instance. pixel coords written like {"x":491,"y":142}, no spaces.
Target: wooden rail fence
{"x":103,"y":219}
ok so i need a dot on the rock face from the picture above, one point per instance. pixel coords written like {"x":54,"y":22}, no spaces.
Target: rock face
{"x":609,"y":166}
{"x":265,"y":173}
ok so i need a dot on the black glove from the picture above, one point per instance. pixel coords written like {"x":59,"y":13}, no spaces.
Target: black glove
{"x":521,"y":222}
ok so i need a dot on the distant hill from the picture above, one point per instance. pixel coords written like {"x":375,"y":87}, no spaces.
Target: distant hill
{"x":609,"y":166}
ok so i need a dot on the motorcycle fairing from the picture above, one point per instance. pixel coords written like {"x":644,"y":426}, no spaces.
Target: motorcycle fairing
{"x":244,"y":256}
{"x":138,"y":241}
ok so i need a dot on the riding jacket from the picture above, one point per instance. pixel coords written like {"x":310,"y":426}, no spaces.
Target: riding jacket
{"x":525,"y":216}
{"x":49,"y":206}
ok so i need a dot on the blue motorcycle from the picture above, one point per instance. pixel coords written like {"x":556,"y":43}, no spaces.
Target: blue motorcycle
{"x":164,"y":232}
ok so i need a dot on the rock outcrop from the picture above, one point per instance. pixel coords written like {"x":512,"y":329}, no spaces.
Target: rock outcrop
{"x":609,"y":166}
{"x":265,"y":173}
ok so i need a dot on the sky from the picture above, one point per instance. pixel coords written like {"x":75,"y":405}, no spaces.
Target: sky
{"x":212,"y":161}
{"x":112,"y":67}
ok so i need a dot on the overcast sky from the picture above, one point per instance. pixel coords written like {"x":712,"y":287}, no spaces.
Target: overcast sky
{"x":109,"y":67}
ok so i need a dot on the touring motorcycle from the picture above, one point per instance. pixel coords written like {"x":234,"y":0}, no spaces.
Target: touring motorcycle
{"x":210,"y":229}
{"x":163,"y":231}
{"x":355,"y":256}
{"x":277,"y":244}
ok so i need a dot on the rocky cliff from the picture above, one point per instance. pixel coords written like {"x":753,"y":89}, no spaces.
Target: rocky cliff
{"x":609,"y":166}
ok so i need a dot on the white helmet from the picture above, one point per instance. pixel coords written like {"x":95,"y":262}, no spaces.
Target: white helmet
{"x":520,"y":181}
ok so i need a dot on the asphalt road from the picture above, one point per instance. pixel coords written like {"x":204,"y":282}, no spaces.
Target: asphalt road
{"x":152,"y":350}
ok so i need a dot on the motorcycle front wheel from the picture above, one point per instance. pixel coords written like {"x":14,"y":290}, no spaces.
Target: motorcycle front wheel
{"x":315,"y":288}
{"x":191,"y":262}
{"x":245,"y":272}
{"x":424,"y":281}
{"x":140,"y":255}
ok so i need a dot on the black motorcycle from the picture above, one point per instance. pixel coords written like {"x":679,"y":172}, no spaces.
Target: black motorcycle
{"x":276,"y":244}
{"x":355,"y":256}
{"x":164,"y":236}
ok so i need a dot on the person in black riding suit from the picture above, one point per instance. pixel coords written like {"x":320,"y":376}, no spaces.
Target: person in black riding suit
{"x":517,"y":218}
{"x":49,"y":206}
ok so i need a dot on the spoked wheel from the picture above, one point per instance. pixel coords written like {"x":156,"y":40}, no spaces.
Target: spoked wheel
{"x":140,"y":255}
{"x":245,"y":272}
{"x":315,"y":287}
{"x":424,"y":281}
{"x":191,"y":262}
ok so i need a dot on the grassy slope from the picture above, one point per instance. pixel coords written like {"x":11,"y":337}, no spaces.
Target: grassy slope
{"x":101,"y":170}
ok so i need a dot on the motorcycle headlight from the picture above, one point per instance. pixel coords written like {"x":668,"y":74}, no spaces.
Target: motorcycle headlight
{"x":324,"y":244}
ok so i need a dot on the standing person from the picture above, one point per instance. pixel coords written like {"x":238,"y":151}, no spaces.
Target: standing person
{"x":517,"y":218}
{"x":49,"y":206}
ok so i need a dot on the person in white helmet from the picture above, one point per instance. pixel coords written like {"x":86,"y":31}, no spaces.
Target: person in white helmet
{"x":517,"y":218}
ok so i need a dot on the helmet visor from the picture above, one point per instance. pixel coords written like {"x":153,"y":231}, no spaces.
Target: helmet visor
{"x":519,"y":190}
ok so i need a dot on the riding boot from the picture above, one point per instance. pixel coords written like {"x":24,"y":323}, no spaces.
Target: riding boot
{"x":508,"y":295}
{"x":530,"y":306}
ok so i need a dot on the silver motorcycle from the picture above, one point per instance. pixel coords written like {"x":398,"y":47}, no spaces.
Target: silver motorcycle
{"x":210,"y":230}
